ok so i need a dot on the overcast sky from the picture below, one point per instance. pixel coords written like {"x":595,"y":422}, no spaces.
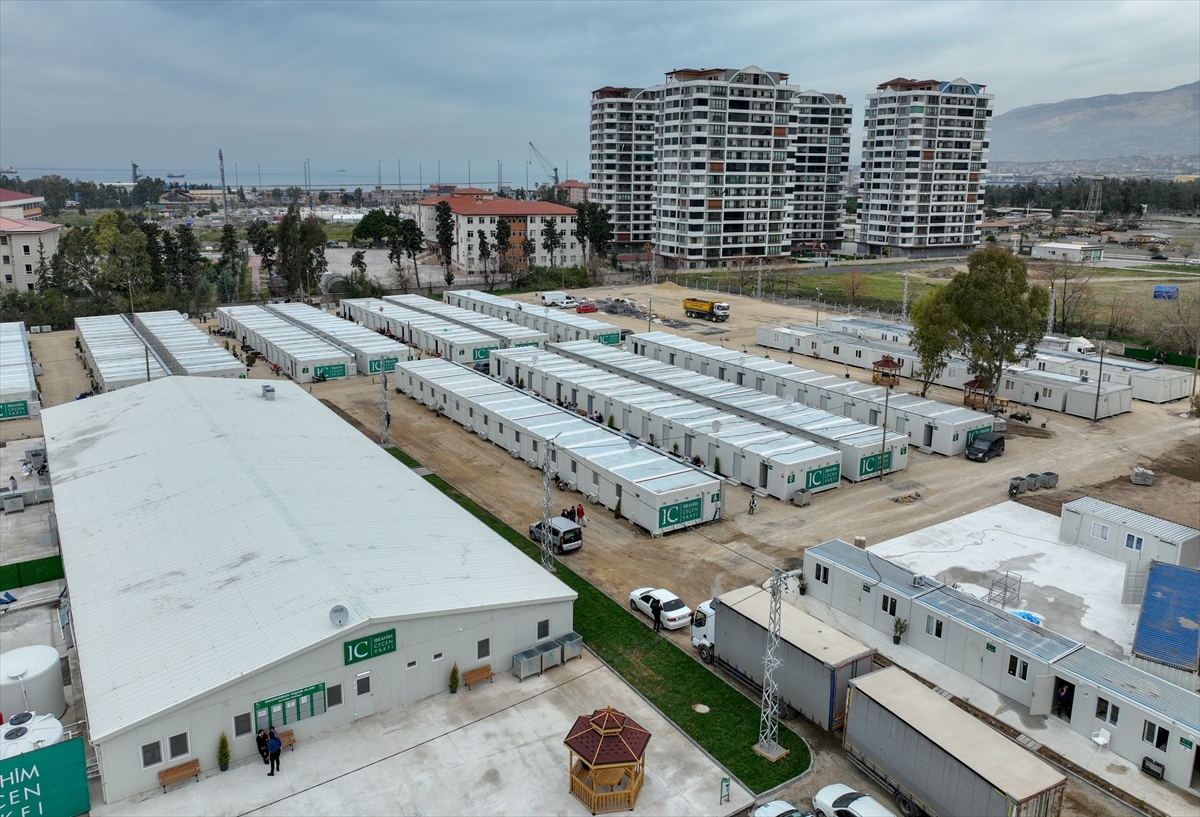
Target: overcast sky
{"x":97,"y":84}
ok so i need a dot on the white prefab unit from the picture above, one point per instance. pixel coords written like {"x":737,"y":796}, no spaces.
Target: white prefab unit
{"x":293,"y":574}
{"x":1070,"y":253}
{"x":932,"y":425}
{"x":558,"y":325}
{"x":859,"y":444}
{"x":372,"y":351}
{"x":839,"y":347}
{"x":429,"y":333}
{"x":117,"y":356}
{"x":184,"y":347}
{"x":818,"y":661}
{"x":1128,"y":535}
{"x":295,"y":350}
{"x":869,"y":329}
{"x":1059,"y":392}
{"x":935,"y":758}
{"x":1022,"y":661}
{"x":1150,"y":383}
{"x":746,"y":451}
{"x":19,"y":396}
{"x":651,"y":488}
{"x":509,"y":334}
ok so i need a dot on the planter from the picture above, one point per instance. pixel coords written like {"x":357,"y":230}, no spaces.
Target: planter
{"x":803,"y":591}
{"x":224,"y":767}
{"x":895,"y":639}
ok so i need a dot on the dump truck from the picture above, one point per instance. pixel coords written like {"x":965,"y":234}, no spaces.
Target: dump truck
{"x":712,"y":310}
{"x":818,"y":661}
{"x":938,"y":760}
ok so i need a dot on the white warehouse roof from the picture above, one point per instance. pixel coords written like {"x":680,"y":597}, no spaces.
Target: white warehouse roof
{"x":206,"y":534}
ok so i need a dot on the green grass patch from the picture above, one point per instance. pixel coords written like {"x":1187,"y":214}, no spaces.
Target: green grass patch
{"x":670,"y":678}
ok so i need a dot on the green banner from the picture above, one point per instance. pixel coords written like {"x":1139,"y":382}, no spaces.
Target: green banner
{"x":482,"y":354}
{"x":610,"y":338}
{"x":17,"y":408}
{"x":362,"y":649}
{"x":388,"y":365}
{"x":337,"y":370}
{"x":975,"y":432}
{"x":295,"y":693}
{"x":829,"y":475}
{"x":528,"y":343}
{"x":870,"y":465}
{"x":680,"y":513}
{"x":47,"y":781}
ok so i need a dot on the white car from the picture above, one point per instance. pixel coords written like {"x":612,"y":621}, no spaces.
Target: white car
{"x":840,"y":800}
{"x":568,"y":303}
{"x":675,"y":613}
{"x":779,"y":808}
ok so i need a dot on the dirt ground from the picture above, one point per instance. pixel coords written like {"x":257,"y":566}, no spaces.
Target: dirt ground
{"x":740,"y":550}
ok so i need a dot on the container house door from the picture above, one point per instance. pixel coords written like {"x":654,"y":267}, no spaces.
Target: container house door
{"x":762,"y":475}
{"x":927,"y":439}
{"x":853,"y":595}
{"x":737,"y":467}
{"x":1043,"y":695}
{"x":973,"y":659}
{"x":364,"y":698}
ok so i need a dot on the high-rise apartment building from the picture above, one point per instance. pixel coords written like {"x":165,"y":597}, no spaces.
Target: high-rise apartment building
{"x":924,"y":164}
{"x":721,"y":166}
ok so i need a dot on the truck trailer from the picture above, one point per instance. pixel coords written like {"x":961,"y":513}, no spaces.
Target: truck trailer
{"x":701,"y":308}
{"x":938,"y":760}
{"x":818,"y":661}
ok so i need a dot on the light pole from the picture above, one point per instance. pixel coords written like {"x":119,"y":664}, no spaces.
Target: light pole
{"x":818,"y":307}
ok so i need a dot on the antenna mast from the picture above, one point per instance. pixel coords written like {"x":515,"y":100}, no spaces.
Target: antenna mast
{"x":547,"y":505}
{"x":384,"y":417}
{"x":768,"y":724}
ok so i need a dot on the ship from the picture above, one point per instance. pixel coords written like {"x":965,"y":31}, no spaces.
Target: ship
{"x":175,"y":175}
{"x":9,"y":169}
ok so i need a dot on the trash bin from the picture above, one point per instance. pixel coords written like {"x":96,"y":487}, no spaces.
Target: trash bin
{"x":572,"y":646}
{"x":1018,"y":483}
{"x":551,"y":653}
{"x":1032,"y":482}
{"x":1049,"y":479}
{"x":526,"y":663}
{"x":801,"y":498}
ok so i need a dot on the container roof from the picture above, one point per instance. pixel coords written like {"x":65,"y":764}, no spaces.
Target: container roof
{"x":1018,"y":773}
{"x":1151,"y":693}
{"x":203,"y":545}
{"x":1024,"y":635}
{"x":817,"y":638}
{"x":868,"y":565}
{"x":1163,"y":529}
{"x":1168,"y":628}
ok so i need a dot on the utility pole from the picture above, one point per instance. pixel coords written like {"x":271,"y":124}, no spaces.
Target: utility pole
{"x":224,"y":198}
{"x":1050,"y":316}
{"x":904,"y":311}
{"x":468,"y":172}
{"x":384,"y":417}
{"x":758,"y":285}
{"x":818,"y":307}
{"x":260,"y":178}
{"x":887,"y":396}
{"x":1099,"y":382}
{"x":768,"y":722}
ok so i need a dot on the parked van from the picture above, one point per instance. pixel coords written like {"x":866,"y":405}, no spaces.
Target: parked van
{"x":565,"y":535}
{"x":986,"y":446}
{"x":555,"y":298}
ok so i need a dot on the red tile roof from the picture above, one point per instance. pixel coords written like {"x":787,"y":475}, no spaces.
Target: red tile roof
{"x":901,"y":82}
{"x":472,"y":205}
{"x":607,"y":737}
{"x":13,"y":195}
{"x":20,"y":225}
{"x":571,"y":183}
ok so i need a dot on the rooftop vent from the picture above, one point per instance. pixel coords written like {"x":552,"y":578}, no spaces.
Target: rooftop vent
{"x":268,"y":392}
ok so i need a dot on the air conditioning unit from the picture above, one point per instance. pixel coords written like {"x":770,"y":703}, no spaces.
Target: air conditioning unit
{"x":515,"y":453}
{"x":918,"y":580}
{"x":594,"y":499}
{"x":532,"y":463}
{"x":571,"y":485}
{"x":483,"y":435}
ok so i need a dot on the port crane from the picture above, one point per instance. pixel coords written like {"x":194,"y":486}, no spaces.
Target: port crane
{"x":551,"y":171}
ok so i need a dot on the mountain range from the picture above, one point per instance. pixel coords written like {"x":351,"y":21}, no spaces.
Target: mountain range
{"x":1143,"y":123}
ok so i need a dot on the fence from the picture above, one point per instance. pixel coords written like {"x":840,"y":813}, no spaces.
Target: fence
{"x":1150,"y":354}
{"x":35,"y":571}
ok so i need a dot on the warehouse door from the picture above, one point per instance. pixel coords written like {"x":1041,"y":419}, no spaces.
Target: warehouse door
{"x":364,"y":698}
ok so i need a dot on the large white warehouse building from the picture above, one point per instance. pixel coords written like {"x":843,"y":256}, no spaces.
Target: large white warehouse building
{"x":207,"y":552}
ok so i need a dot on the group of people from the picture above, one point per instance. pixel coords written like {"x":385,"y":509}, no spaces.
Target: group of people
{"x":269,"y":746}
{"x":576,"y":515}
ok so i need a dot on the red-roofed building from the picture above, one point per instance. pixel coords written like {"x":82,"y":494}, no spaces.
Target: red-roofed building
{"x":19,"y":250}
{"x":477,"y":211}
{"x":577,"y":192}
{"x":20,"y":205}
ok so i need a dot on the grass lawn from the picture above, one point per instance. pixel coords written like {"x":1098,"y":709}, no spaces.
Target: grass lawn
{"x":672,"y":680}
{"x":882,"y":287}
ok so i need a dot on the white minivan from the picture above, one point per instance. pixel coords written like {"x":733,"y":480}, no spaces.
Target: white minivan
{"x":555,"y":298}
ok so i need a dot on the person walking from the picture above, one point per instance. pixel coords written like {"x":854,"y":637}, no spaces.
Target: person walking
{"x":274,"y":746}
{"x":656,"y":609}
{"x":580,"y":518}
{"x":261,"y":740}
{"x":12,"y":483}
{"x":753,"y":504}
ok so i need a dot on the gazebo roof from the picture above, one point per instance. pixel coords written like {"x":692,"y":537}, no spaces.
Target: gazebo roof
{"x":607,"y":737}
{"x":888,"y":362}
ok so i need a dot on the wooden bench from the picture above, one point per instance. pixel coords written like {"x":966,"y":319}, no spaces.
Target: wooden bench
{"x":177,"y":773}
{"x":287,"y":738}
{"x":478,"y":675}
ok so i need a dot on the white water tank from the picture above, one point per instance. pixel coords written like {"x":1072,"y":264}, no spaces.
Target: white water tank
{"x":31,"y":681}
{"x":28,"y":731}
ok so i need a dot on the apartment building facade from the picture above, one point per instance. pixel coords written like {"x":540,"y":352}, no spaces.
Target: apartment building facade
{"x":720,"y":167}
{"x":22,"y":244}
{"x":924,"y":167}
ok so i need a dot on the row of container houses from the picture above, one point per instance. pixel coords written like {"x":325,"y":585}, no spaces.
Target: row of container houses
{"x":372,"y":351}
{"x":558,"y":325}
{"x":656,"y":491}
{"x":929,"y":424}
{"x":509,"y":335}
{"x":780,"y":463}
{"x":19,"y":396}
{"x":184,"y":348}
{"x":117,"y":355}
{"x":296,"y":351}
{"x":429,"y":333}
{"x":862,"y":447}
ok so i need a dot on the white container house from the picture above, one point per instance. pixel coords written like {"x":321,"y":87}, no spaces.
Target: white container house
{"x":295,"y":350}
{"x":429,"y":333}
{"x":117,"y":355}
{"x":1128,"y":535}
{"x":19,"y":396}
{"x":184,"y":347}
{"x":557,"y":324}
{"x":510,"y":335}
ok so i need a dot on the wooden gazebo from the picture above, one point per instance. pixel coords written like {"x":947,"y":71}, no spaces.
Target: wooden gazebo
{"x":975,"y":395}
{"x":886,"y":372}
{"x":607,"y":760}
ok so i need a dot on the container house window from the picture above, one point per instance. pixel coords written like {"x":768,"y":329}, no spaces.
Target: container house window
{"x":411,"y":664}
{"x":821,"y":573}
{"x":1153,"y":733}
{"x":889,"y":604}
{"x":179,"y":745}
{"x":1099,"y":531}
{"x":1018,"y":668}
{"x":933,"y":626}
{"x":363,"y":684}
{"x":1133,"y":542}
{"x":438,"y":656}
{"x":483,"y":648}
{"x":1047,"y":392}
{"x":152,"y":754}
{"x":543,"y":628}
{"x":242,"y":725}
{"x":333,"y":696}
{"x":1106,"y":711}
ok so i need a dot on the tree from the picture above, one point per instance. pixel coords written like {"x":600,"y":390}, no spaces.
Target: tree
{"x":312,"y":242}
{"x":261,"y":236}
{"x":359,"y":285}
{"x":146,"y":191}
{"x":851,"y":204}
{"x":528,"y":248}
{"x":291,"y":254}
{"x":551,"y":240}
{"x":854,"y":285}
{"x":485,"y":258}
{"x":323,"y":197}
{"x":583,"y":221}
{"x":444,"y":232}
{"x":1186,"y":248}
{"x":43,"y":269}
{"x":997,"y":314}
{"x":933,"y":336}
{"x":600,"y":232}
{"x":154,"y":252}
{"x":1072,"y":285}
{"x":375,"y":227}
{"x":189,"y":264}
{"x":230,"y":265}
{"x":294,"y":194}
{"x":412,"y":242}
{"x":503,"y":247}
{"x":358,"y":262}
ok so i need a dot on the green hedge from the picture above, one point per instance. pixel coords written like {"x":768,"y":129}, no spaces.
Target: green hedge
{"x":35,"y":571}
{"x":1150,"y":354}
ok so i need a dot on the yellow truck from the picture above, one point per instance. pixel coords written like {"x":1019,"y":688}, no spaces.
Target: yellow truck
{"x":712,"y":310}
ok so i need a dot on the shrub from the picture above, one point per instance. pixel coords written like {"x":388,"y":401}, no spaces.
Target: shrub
{"x":454,"y":678}
{"x":223,"y":751}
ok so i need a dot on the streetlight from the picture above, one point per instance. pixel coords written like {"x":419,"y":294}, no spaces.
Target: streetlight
{"x":818,"y":307}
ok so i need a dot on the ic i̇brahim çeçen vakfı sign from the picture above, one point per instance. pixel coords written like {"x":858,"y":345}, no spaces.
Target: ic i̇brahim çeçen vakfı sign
{"x":362,"y":649}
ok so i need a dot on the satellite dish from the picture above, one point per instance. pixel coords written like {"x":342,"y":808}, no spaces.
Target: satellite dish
{"x":631,"y":440}
{"x":339,"y":615}
{"x":534,"y":360}
{"x":716,"y":426}
{"x":789,"y":399}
